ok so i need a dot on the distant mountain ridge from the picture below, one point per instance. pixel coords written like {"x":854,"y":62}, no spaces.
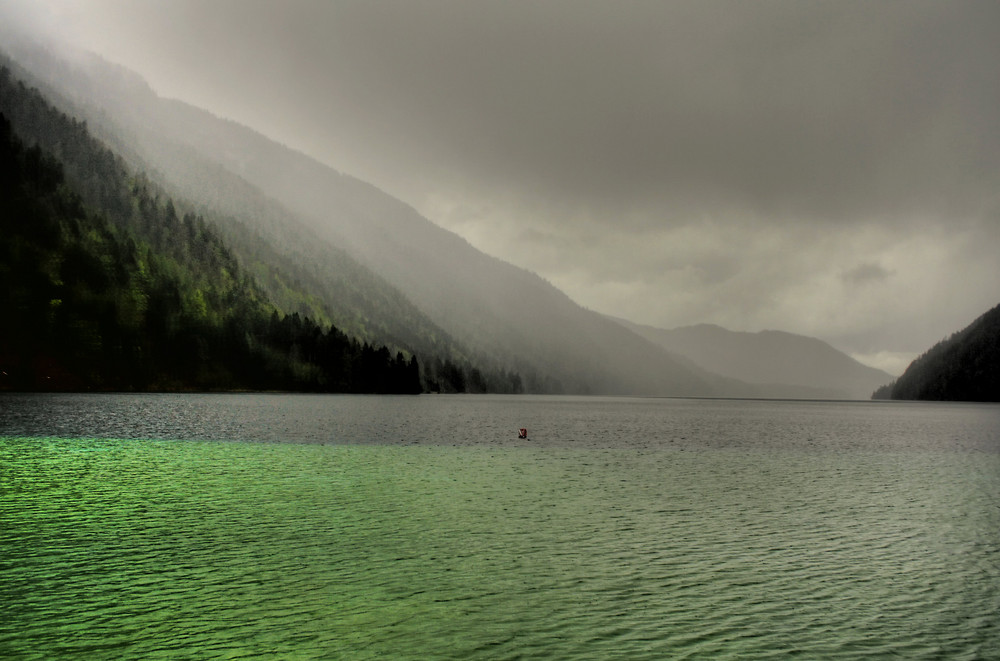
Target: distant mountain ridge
{"x":778,"y":363}
{"x":963,"y":367}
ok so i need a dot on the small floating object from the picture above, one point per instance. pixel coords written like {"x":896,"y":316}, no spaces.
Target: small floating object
{"x":522,"y":433}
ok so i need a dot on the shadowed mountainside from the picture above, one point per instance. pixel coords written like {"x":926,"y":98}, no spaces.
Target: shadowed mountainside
{"x":964,"y":367}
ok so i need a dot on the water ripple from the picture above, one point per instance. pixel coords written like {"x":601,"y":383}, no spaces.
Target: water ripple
{"x":159,"y":549}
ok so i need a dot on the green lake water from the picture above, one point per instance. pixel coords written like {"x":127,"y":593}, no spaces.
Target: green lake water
{"x":836,"y":540}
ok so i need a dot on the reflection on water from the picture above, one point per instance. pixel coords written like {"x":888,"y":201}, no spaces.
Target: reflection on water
{"x":636,"y":528}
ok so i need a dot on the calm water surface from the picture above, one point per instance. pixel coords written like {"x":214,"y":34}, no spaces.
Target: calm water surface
{"x":289,"y":526}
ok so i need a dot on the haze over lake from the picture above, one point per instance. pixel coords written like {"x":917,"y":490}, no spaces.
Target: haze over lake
{"x":262,"y":526}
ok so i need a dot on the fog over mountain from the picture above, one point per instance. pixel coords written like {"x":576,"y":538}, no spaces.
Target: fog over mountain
{"x":500,"y":315}
{"x":826,"y":168}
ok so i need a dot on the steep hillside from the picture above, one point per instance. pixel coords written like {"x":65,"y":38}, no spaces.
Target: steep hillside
{"x":780,"y":364}
{"x":268,"y":237}
{"x":299,"y":271}
{"x":490,"y":306}
{"x":964,"y":367}
{"x":496,"y":314}
{"x":125,"y":295}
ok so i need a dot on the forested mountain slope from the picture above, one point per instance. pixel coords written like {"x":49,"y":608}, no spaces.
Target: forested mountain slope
{"x":781,"y":364}
{"x":298,"y":271}
{"x":495,"y":314}
{"x":963,"y":367}
{"x":126,"y":295}
{"x":490,"y":306}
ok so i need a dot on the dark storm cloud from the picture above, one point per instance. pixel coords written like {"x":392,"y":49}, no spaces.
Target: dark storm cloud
{"x":822,"y":110}
{"x":866,"y":273}
{"x":811,"y":111}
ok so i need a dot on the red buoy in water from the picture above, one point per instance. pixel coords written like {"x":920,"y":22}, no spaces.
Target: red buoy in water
{"x":522,"y":433}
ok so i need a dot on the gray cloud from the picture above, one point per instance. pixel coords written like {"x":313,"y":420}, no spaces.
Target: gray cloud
{"x":868,"y":272}
{"x":764,"y":164}
{"x":829,"y":111}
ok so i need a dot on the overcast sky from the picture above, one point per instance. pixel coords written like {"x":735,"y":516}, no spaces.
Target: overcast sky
{"x":825,"y":168}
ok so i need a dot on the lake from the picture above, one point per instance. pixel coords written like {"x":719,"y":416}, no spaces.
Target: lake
{"x":351,"y":527}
